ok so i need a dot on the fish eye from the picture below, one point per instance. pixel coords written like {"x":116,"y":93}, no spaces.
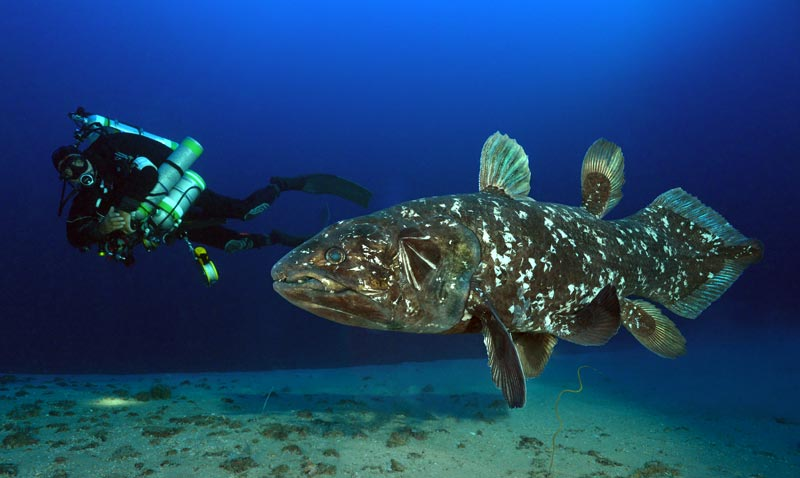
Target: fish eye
{"x":335,"y":255}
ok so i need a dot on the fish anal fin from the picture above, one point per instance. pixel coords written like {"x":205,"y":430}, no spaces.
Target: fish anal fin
{"x":602,"y":177}
{"x":596,"y":323}
{"x":652,"y":328}
{"x":534,"y":351}
{"x":504,"y":167}
{"x":507,"y":373}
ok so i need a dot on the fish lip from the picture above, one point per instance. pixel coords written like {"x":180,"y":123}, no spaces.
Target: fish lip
{"x":334,"y":306}
{"x":308,"y":280}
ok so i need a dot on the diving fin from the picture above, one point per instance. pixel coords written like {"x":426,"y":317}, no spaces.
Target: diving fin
{"x":326,"y":184}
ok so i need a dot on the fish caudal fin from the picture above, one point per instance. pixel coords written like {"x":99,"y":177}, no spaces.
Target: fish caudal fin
{"x":504,"y":167}
{"x":652,"y":328}
{"x":711,"y":247}
{"x":602,"y":177}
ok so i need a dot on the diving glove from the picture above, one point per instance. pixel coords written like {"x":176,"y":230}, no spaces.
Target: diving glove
{"x":325,"y":184}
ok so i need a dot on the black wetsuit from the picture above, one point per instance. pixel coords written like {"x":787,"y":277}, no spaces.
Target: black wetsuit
{"x":121,"y":185}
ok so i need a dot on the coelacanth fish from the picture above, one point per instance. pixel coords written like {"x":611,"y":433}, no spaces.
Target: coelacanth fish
{"x":524,"y":273}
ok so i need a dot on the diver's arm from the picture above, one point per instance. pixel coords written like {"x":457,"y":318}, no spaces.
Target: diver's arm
{"x":86,"y":226}
{"x":135,"y":188}
{"x":83,"y":221}
{"x":137,"y":176}
{"x":83,"y":231}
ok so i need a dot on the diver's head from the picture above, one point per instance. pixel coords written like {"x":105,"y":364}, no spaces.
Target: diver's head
{"x":73,"y":166}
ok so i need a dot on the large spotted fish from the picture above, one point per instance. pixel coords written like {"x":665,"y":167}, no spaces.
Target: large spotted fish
{"x":525,"y":273}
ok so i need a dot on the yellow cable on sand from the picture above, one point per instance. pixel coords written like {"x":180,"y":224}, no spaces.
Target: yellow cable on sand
{"x":561,"y":422}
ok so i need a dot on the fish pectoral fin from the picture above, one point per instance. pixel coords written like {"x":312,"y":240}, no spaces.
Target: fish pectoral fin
{"x":534,"y":351}
{"x":437,"y":260}
{"x":504,"y":167}
{"x":596,"y":323}
{"x":419,"y":254}
{"x":504,"y":361}
{"x":602,"y":177}
{"x":652,"y":328}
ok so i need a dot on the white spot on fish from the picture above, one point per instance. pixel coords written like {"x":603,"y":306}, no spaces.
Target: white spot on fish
{"x":456,"y":208}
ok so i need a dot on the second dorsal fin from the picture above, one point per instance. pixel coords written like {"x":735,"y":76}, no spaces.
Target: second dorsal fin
{"x":602,"y":177}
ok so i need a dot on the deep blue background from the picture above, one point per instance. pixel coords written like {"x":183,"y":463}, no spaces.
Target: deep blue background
{"x":399,"y":96}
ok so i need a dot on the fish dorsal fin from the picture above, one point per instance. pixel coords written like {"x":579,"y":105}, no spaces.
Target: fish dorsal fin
{"x":504,"y":166}
{"x":534,"y":351}
{"x":596,"y":323}
{"x":652,"y":328}
{"x":504,"y":360}
{"x":602,"y":177}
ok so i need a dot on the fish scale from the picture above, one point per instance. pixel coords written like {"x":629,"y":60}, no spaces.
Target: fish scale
{"x":564,"y":244}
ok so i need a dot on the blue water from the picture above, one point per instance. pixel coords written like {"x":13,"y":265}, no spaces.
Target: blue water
{"x":398,"y":96}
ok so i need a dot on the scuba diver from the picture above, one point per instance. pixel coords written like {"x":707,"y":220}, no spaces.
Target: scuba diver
{"x":131,"y":187}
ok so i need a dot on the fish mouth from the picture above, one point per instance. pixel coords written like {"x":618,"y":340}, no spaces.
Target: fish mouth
{"x":309,"y":281}
{"x":327,"y":298}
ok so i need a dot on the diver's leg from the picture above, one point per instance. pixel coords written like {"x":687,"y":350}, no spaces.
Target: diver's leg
{"x":280,"y":237}
{"x":227,"y":239}
{"x":325,"y":184}
{"x":232,"y":241}
{"x":260,"y":200}
{"x":216,"y":205}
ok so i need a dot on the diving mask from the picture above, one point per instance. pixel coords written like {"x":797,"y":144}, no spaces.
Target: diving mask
{"x":76,"y":168}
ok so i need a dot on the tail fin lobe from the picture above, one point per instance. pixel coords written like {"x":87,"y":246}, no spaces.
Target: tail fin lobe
{"x":729,"y":251}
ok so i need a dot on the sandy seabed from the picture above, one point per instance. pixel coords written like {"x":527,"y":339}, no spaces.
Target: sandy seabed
{"x":637,"y":416}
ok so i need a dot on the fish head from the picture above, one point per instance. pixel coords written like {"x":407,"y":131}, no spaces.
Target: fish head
{"x":383,"y":271}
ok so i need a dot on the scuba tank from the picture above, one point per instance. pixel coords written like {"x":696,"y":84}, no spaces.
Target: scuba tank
{"x":177,"y":188}
{"x":92,"y":126}
{"x":161,"y":213}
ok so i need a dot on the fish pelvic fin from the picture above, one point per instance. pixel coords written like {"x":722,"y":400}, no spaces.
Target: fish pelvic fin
{"x":504,"y":167}
{"x":596,"y":323}
{"x":534,"y":351}
{"x":507,"y":372}
{"x":602,"y":177}
{"x":652,"y":328}
{"x":719,"y":251}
